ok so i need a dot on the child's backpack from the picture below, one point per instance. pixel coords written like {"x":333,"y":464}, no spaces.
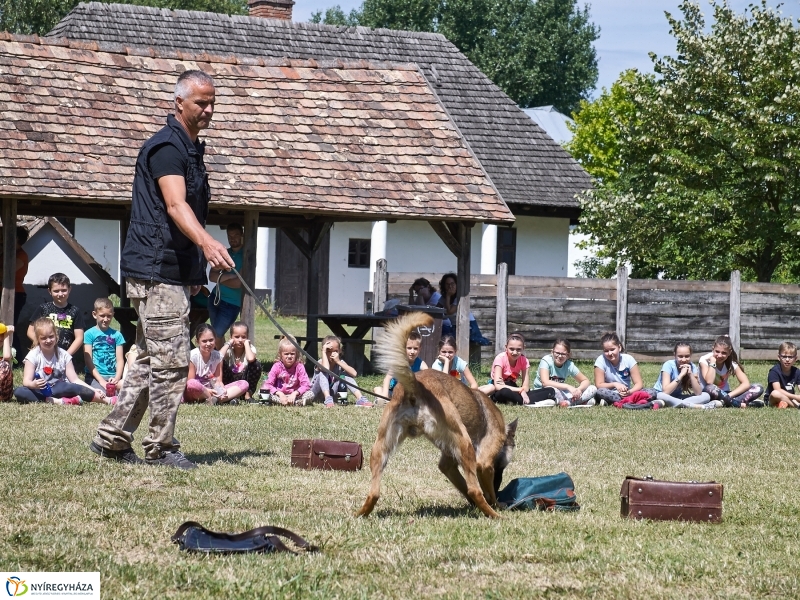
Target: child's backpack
{"x":551,"y":492}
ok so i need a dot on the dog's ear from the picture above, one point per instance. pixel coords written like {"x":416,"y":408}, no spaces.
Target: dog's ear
{"x":511,"y":433}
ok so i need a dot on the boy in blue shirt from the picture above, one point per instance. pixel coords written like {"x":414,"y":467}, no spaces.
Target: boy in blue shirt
{"x":102,"y":349}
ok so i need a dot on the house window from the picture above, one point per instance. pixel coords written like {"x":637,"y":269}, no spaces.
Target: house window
{"x":358,"y":254}
{"x":507,"y":247}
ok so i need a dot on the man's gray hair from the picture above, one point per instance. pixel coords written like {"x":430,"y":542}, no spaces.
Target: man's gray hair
{"x":188,"y":78}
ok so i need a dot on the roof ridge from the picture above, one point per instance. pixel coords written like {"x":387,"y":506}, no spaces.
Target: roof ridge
{"x":137,"y":8}
{"x":233,"y":59}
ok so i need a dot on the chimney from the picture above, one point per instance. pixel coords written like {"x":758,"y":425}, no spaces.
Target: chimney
{"x":271,"y":9}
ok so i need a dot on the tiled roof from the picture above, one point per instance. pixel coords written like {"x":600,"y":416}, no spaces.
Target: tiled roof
{"x":525,"y":164}
{"x":288,"y":136}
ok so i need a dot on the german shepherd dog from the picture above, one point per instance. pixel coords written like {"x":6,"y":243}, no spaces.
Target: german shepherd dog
{"x":463,"y":423}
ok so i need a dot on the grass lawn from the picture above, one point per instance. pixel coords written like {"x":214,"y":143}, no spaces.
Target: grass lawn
{"x":64,"y":509}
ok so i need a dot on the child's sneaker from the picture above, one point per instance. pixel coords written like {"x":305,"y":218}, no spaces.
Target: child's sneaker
{"x":756,"y":404}
{"x":363,"y":402}
{"x":783,"y":404}
{"x":564,"y":404}
{"x":112,"y":401}
{"x":328,"y":403}
{"x":74,"y":400}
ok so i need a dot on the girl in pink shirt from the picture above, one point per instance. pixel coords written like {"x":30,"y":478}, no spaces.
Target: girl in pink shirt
{"x":510,"y":379}
{"x":287,"y":383}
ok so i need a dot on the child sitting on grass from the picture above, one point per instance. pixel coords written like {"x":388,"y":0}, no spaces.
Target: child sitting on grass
{"x":287,"y":383}
{"x":204,"y":383}
{"x":102,"y":350}
{"x":554,"y":369}
{"x":448,"y":362}
{"x":49,"y":375}
{"x":717,"y":366}
{"x":510,"y":374}
{"x":239,"y":361}
{"x":324,"y":385}
{"x":679,"y":384}
{"x":416,"y":363}
{"x":783,"y":381}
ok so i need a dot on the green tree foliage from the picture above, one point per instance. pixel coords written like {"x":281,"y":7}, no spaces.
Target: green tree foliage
{"x":539,"y":52}
{"x":40,"y":16}
{"x":698,"y":165}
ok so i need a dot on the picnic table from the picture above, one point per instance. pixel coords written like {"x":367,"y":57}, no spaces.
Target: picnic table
{"x":354,"y":341}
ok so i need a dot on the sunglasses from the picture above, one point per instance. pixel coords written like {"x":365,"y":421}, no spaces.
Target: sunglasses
{"x":787,"y":356}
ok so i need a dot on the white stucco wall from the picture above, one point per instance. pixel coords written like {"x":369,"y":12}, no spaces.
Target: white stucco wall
{"x":346,"y":286}
{"x":542,"y":246}
{"x":100,"y":238}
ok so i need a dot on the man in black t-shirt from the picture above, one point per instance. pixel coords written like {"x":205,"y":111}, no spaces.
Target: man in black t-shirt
{"x":164,"y":262}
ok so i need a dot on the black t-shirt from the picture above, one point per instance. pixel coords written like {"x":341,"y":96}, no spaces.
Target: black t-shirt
{"x":167,"y":160}
{"x":789,"y":383}
{"x":67,"y":319}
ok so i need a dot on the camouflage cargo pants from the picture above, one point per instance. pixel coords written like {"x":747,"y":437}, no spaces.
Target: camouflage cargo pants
{"x":158,"y":376}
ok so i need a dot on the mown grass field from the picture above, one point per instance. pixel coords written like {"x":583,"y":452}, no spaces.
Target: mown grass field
{"x":64,"y":509}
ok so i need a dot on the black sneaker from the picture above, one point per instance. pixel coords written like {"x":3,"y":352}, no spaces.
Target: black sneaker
{"x":127,"y":456}
{"x":173,"y":459}
{"x":756,"y":404}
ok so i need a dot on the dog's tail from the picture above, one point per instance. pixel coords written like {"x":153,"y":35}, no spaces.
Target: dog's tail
{"x":391,"y":351}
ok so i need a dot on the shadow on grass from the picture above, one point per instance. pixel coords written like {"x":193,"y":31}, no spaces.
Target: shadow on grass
{"x":209,"y":458}
{"x":437,"y":512}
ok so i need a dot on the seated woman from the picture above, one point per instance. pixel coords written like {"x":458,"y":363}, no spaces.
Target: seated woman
{"x":449,"y":302}
{"x":423,"y":293}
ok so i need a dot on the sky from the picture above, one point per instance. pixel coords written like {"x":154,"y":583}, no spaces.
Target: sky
{"x":629,"y":29}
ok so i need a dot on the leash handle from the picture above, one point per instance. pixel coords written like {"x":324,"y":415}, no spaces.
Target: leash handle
{"x":291,"y":339}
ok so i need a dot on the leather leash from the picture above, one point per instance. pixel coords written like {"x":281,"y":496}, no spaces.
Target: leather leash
{"x":294,"y":343}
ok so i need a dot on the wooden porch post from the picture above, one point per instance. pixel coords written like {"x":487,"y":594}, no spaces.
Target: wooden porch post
{"x":380,"y":287}
{"x":464,"y":232}
{"x":501,"y":314}
{"x":123,"y":235}
{"x":248,"y":314}
{"x":9,"y":216}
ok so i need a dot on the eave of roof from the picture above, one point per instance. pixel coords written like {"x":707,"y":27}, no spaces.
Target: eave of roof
{"x":336,"y":138}
{"x":525,"y":164}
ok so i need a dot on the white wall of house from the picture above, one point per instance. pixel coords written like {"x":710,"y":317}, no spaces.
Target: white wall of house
{"x":542,"y":246}
{"x":49,"y":253}
{"x":346,"y":286}
{"x":100,"y":238}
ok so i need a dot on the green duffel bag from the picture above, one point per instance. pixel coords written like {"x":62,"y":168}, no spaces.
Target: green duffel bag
{"x":551,"y":492}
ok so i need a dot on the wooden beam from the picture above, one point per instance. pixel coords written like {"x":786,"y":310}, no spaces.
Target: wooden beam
{"x":501,"y":314}
{"x":443,"y":231}
{"x":464,"y":231}
{"x":622,"y":302}
{"x":380,"y":285}
{"x":9,"y":216}
{"x":316,"y":234}
{"x":735,"y":311}
{"x":249,"y":254}
{"x":123,"y":235}
{"x":312,"y":307}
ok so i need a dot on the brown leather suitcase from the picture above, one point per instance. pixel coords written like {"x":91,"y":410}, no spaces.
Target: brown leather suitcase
{"x":650,"y":498}
{"x":326,"y":454}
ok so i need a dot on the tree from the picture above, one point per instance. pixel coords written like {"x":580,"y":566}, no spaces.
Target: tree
{"x":539,"y":52}
{"x":703,"y":175}
{"x":40,"y":16}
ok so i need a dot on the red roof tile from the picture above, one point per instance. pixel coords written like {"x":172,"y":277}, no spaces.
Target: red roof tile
{"x":289,"y":136}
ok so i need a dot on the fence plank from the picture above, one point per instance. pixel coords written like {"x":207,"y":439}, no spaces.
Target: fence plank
{"x":770,"y":288}
{"x":565,"y":282}
{"x":537,"y":292}
{"x":622,"y":302}
{"x":380,"y":285}
{"x":678,"y":297}
{"x":677,"y":309}
{"x":677,"y":285}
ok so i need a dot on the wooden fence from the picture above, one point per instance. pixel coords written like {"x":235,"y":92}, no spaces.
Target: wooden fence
{"x":650,"y":315}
